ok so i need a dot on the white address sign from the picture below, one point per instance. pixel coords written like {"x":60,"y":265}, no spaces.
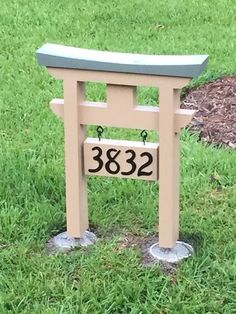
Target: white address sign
{"x":119,"y":158}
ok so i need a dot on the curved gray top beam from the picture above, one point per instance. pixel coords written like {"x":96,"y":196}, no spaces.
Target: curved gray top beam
{"x":59,"y":56}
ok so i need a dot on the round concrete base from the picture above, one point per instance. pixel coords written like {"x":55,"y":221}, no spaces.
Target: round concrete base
{"x":63,"y":242}
{"x":180,"y":251}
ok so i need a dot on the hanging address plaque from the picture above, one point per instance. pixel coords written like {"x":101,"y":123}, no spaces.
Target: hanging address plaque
{"x":121,"y":158}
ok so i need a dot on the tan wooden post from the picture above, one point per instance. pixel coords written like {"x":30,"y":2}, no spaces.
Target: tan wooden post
{"x":168,"y":168}
{"x":75,"y":134}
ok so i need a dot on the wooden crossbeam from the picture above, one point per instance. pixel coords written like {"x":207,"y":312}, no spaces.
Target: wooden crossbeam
{"x":140,"y":117}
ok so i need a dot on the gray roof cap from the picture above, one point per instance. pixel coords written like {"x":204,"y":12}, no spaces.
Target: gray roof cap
{"x":59,"y":56}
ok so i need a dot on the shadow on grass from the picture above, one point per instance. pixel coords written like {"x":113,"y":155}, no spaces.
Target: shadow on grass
{"x":196,"y":239}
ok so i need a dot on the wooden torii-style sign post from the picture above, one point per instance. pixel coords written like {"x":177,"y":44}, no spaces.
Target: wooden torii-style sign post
{"x":122,"y":73}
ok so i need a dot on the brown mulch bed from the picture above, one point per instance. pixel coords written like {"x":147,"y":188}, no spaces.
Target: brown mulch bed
{"x":215,"y":119}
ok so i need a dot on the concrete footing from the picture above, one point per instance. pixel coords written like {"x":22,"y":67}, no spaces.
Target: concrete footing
{"x":63,"y":242}
{"x":181,"y":251}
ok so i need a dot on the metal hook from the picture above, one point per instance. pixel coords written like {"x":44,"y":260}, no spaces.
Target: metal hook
{"x":100,"y":130}
{"x":144,"y":135}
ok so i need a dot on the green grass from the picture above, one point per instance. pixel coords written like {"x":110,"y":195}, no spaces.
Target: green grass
{"x":104,"y":279}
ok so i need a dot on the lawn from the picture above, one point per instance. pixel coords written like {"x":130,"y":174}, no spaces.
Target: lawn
{"x":108,"y":278}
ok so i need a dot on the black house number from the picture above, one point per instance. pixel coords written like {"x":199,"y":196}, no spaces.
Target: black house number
{"x":113,"y":167}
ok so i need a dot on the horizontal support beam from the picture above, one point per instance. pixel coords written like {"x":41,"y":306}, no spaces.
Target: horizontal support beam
{"x":141,"y":117}
{"x":128,"y":79}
